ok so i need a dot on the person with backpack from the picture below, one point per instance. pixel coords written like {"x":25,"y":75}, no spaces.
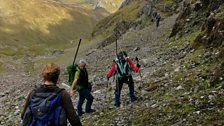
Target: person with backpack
{"x":123,"y":66}
{"x":49,"y":105}
{"x":158,"y":17}
{"x":82,"y":85}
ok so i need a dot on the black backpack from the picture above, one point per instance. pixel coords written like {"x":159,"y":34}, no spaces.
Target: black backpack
{"x":45,"y":109}
{"x":123,"y":67}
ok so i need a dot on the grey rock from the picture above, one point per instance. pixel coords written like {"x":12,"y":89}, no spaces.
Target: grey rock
{"x":2,"y":94}
{"x":136,"y":49}
{"x":179,"y":88}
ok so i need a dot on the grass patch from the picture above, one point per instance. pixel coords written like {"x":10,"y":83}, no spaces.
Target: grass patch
{"x":7,"y":51}
{"x":35,"y":27}
{"x":102,"y":120}
{"x":220,"y":14}
{"x":1,"y":68}
{"x":188,"y":38}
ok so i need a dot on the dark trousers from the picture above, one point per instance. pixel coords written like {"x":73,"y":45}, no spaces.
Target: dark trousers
{"x":84,"y":94}
{"x":157,"y":22}
{"x":129,"y":81}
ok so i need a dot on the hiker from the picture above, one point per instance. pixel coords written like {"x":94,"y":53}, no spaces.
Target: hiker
{"x":48,"y":104}
{"x":82,"y":85}
{"x":123,"y":66}
{"x":158,"y":17}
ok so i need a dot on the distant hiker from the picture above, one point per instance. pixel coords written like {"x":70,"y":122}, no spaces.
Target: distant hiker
{"x":123,"y":66}
{"x":49,"y":105}
{"x":82,"y":85}
{"x":158,"y":17}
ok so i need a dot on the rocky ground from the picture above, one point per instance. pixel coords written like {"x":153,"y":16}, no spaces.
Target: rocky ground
{"x":181,"y":85}
{"x":16,"y":86}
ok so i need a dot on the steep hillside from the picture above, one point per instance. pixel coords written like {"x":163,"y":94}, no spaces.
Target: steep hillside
{"x":40,"y":26}
{"x":182,"y":71}
{"x":109,"y":5}
{"x":122,"y":20}
{"x":180,"y":81}
{"x":132,"y":15}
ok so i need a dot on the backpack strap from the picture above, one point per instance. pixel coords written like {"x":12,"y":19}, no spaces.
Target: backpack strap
{"x":59,"y":90}
{"x":40,"y":89}
{"x":122,"y":69}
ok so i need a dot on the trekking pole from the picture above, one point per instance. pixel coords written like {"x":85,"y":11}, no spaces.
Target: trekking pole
{"x":141,"y":82}
{"x":140,"y":73}
{"x":106,"y":90}
{"x":116,"y":47}
{"x":76,"y":52}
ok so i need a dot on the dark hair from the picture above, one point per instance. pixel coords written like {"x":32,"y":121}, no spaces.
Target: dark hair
{"x":123,"y":53}
{"x":51,"y":72}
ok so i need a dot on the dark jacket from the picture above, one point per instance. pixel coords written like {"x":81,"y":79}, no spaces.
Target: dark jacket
{"x":83,"y":82}
{"x":66,"y":104}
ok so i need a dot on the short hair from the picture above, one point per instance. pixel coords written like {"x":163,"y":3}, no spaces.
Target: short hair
{"x":51,"y":72}
{"x":82,"y":61}
{"x":124,"y":53}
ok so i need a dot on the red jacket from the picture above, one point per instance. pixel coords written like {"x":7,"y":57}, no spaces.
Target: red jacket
{"x":114,"y":65}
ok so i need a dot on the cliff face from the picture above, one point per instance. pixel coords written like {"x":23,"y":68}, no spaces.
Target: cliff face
{"x":193,"y":14}
{"x":204,"y":17}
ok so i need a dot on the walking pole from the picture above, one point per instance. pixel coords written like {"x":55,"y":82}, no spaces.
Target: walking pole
{"x":73,"y":63}
{"x":141,"y":82}
{"x":116,"y":47}
{"x":80,"y":40}
{"x":140,"y":74}
{"x":106,"y":91}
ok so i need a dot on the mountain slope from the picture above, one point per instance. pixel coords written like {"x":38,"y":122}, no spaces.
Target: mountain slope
{"x":109,"y":5}
{"x":31,"y":25}
{"x":132,"y":15}
{"x":180,"y":82}
{"x":183,"y":70}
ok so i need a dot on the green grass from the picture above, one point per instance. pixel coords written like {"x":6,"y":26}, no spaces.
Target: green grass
{"x":110,"y":5}
{"x":7,"y":51}
{"x":189,"y":38}
{"x":220,"y":14}
{"x":1,"y":68}
{"x":43,"y":27}
{"x":162,"y":4}
{"x":38,"y":28}
{"x":106,"y":26}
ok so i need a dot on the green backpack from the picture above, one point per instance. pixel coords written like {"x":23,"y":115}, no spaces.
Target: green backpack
{"x":71,"y":69}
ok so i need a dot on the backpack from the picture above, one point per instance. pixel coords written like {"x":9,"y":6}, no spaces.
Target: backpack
{"x":71,"y":69}
{"x":123,"y":68}
{"x":45,"y":109}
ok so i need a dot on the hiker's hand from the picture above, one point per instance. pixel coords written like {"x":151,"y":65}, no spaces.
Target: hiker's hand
{"x":136,"y":58}
{"x":71,"y":92}
{"x":138,"y":65}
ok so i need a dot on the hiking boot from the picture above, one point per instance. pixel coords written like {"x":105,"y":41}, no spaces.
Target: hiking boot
{"x":80,"y":114}
{"x":133,"y":99}
{"x":91,"y":111}
{"x":117,"y":105}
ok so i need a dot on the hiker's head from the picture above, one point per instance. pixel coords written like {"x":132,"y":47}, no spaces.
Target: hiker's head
{"x":123,"y":53}
{"x":82,"y":64}
{"x":51,"y":73}
{"x":122,"y":56}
